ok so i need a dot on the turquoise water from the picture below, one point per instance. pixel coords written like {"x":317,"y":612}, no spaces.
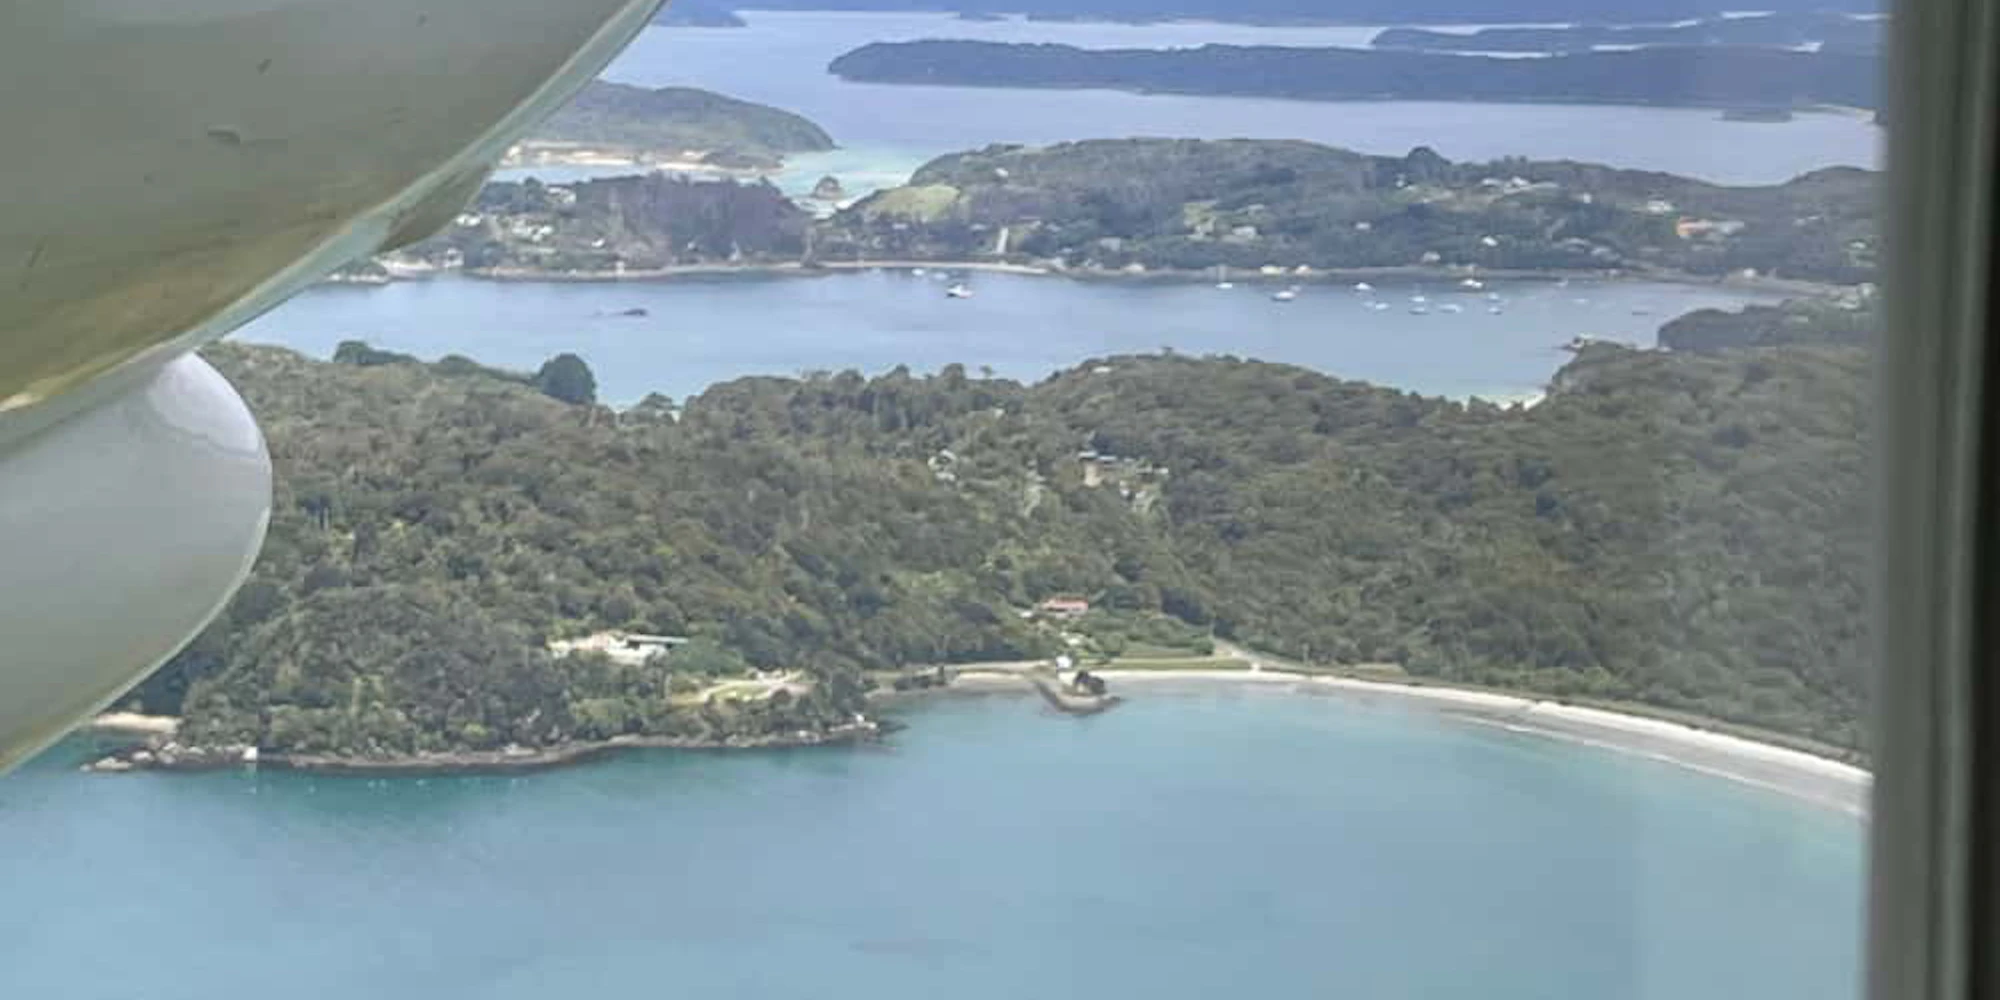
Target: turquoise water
{"x":1260,"y":844}
{"x":781,"y":58}
{"x":699,"y":332}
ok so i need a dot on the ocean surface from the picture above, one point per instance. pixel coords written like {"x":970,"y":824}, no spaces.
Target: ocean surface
{"x":887,"y":130}
{"x":701,"y":331}
{"x":1226,"y":844}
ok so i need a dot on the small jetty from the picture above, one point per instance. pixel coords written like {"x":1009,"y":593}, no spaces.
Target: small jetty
{"x":1084,"y":693}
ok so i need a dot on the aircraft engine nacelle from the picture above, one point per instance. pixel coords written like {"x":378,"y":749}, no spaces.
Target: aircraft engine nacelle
{"x":172,"y":169}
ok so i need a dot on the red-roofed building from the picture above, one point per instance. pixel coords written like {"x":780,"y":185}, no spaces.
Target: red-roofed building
{"x":1064,"y":607}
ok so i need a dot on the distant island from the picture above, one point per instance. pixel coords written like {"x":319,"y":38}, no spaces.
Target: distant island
{"x":1694,"y":76}
{"x":697,"y":14}
{"x":1277,"y":208}
{"x":1149,"y":205}
{"x":681,"y":126}
{"x":1828,"y":31}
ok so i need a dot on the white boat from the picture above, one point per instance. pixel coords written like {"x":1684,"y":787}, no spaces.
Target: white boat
{"x":1379,"y":306}
{"x":1284,"y":295}
{"x":1451,"y":307}
{"x":1472,"y":284}
{"x":1363,"y":287}
{"x":1492,"y":296}
{"x":1420,"y":310}
{"x":917,"y":271}
{"x":1493,"y":310}
{"x":1222,"y":278}
{"x":958,"y":290}
{"x":1225,"y":285}
{"x":1418,"y":300}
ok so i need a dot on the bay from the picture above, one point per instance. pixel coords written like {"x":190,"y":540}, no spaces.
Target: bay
{"x":699,"y":331}
{"x":1183,"y":846}
{"x":780,"y":58}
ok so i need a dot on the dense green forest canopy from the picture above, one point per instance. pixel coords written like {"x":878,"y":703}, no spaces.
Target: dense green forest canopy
{"x":679,"y":120}
{"x":648,"y":221}
{"x":1795,"y":322}
{"x":1697,"y":76}
{"x":1683,"y":530}
{"x":1185,"y":203}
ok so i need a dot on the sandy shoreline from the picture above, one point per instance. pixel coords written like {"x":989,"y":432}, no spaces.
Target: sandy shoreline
{"x":1821,"y":781}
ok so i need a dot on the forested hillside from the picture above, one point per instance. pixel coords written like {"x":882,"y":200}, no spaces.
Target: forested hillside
{"x":1184,"y":203}
{"x":679,"y":123}
{"x":1682,"y":530}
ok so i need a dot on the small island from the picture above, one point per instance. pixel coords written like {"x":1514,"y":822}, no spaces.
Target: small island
{"x":680,"y":127}
{"x":697,"y":14}
{"x":1764,"y":116}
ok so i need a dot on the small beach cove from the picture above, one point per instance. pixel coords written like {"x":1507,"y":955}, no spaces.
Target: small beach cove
{"x":1766,"y":761}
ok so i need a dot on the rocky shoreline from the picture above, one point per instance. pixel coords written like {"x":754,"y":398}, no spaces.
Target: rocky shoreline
{"x":169,"y":755}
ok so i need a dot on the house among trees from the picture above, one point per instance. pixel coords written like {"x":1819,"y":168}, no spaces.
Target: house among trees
{"x":1064,"y":607}
{"x":628,"y":648}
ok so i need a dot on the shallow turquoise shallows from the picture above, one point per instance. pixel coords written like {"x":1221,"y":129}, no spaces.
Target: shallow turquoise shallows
{"x":1257,"y":845}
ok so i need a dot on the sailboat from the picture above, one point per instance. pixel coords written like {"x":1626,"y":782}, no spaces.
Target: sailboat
{"x":1285,"y":294}
{"x":1222,"y":277}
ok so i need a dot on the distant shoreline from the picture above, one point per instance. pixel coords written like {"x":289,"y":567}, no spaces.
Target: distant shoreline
{"x":1331,"y":276}
{"x":1813,"y":778}
{"x":643,"y":161}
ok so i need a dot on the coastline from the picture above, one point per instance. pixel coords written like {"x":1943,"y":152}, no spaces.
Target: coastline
{"x":173,"y":757}
{"x":531,"y":154}
{"x":1331,"y":276}
{"x":1799,"y":774}
{"x":1699,"y":746}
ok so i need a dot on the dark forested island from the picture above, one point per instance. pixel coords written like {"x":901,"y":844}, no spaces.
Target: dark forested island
{"x":697,"y":14}
{"x":1678,"y":529}
{"x":1698,"y":76}
{"x":1192,"y":204}
{"x":1828,"y":31}
{"x":671,"y":124}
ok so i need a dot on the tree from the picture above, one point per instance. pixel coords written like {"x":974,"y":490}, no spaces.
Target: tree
{"x":566,"y":377}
